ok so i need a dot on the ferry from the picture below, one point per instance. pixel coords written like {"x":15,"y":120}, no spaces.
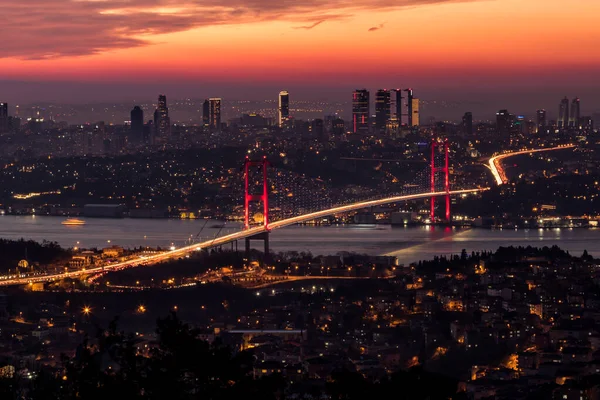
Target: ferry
{"x":73,"y":221}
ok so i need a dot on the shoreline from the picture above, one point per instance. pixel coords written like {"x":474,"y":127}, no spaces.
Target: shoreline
{"x":307,"y":224}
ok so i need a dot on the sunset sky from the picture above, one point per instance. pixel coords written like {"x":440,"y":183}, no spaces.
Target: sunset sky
{"x":543,"y":47}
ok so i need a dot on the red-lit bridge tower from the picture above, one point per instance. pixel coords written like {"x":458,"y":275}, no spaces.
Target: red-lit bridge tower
{"x":262,"y":197}
{"x":446,"y":170}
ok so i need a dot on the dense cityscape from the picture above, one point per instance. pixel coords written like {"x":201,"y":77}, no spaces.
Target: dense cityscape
{"x":513,"y":323}
{"x":299,"y":201}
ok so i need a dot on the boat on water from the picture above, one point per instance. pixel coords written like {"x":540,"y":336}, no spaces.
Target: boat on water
{"x":73,"y":221}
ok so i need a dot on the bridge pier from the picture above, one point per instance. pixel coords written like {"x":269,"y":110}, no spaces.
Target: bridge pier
{"x":264,"y":237}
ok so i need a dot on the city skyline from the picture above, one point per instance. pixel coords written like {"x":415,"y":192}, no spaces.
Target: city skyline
{"x":299,"y":199}
{"x":396,"y":106}
{"x":121,"y":51}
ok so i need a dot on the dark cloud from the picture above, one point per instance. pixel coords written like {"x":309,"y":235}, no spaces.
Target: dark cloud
{"x":41,"y":29}
{"x":376,"y":28}
{"x":308,"y":27}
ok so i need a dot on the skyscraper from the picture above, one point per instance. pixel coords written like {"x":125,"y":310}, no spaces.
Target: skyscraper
{"x":361,"y":109}
{"x":215,"y":114}
{"x":541,"y":120}
{"x":162,"y":122}
{"x":575,"y":113}
{"x":504,"y":122}
{"x":137,"y":124}
{"x":409,"y":105}
{"x":414,"y":111}
{"x":3,"y":117}
{"x":563,"y":114}
{"x":206,"y":113}
{"x":467,"y":123}
{"x":284,"y":108}
{"x":397,"y":107}
{"x":382,"y":109}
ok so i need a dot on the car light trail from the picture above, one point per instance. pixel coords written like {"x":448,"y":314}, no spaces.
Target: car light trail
{"x":495,"y":163}
{"x":157,"y":258}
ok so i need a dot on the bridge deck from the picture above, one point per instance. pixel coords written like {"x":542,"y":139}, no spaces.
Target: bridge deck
{"x":154,"y":259}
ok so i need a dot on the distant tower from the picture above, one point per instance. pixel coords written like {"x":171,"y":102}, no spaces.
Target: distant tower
{"x":575,"y":114}
{"x":415,"y":118}
{"x":361,"y":109}
{"x":3,"y":117}
{"x":206,"y":113}
{"x":563,"y":114}
{"x":382,"y":109}
{"x":284,"y":108}
{"x":137,"y":124}
{"x":540,"y":120}
{"x":467,"y":123}
{"x":214,"y":114}
{"x":162,"y":122}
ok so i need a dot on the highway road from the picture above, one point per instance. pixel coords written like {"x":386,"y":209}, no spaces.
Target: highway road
{"x":181,"y":252}
{"x":495,"y":163}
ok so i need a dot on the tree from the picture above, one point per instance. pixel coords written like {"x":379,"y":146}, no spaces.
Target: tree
{"x":463,"y":255}
{"x":182,"y":366}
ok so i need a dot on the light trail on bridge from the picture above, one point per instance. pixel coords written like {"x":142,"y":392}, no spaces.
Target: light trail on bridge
{"x":219,"y":241}
{"x":495,"y":163}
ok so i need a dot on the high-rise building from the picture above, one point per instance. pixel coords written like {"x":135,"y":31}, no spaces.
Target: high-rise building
{"x":522,"y":124}
{"x":361,"y":109}
{"x":3,"y":117}
{"x":563,"y":114}
{"x":575,"y":113}
{"x":409,"y":99}
{"x":214,"y":114}
{"x":586,"y":123}
{"x":137,"y":124}
{"x":162,"y":122}
{"x":467,"y":123}
{"x":397,"y":107}
{"x":504,"y":121}
{"x":382,"y":109}
{"x":206,"y":113}
{"x":540,"y":120}
{"x":284,"y":108}
{"x":148,"y":132}
{"x":338,"y":127}
{"x":415,"y":119}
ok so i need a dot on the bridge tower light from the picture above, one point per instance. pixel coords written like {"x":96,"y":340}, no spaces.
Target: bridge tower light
{"x":446,"y":170}
{"x":262,"y":197}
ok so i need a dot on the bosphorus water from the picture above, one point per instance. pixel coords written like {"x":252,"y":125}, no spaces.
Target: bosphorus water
{"x":409,"y":244}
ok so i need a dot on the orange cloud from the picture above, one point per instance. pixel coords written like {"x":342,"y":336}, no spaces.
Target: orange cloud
{"x":46,"y":29}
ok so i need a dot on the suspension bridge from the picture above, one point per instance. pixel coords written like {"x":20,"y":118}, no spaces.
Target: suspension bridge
{"x":308,"y":203}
